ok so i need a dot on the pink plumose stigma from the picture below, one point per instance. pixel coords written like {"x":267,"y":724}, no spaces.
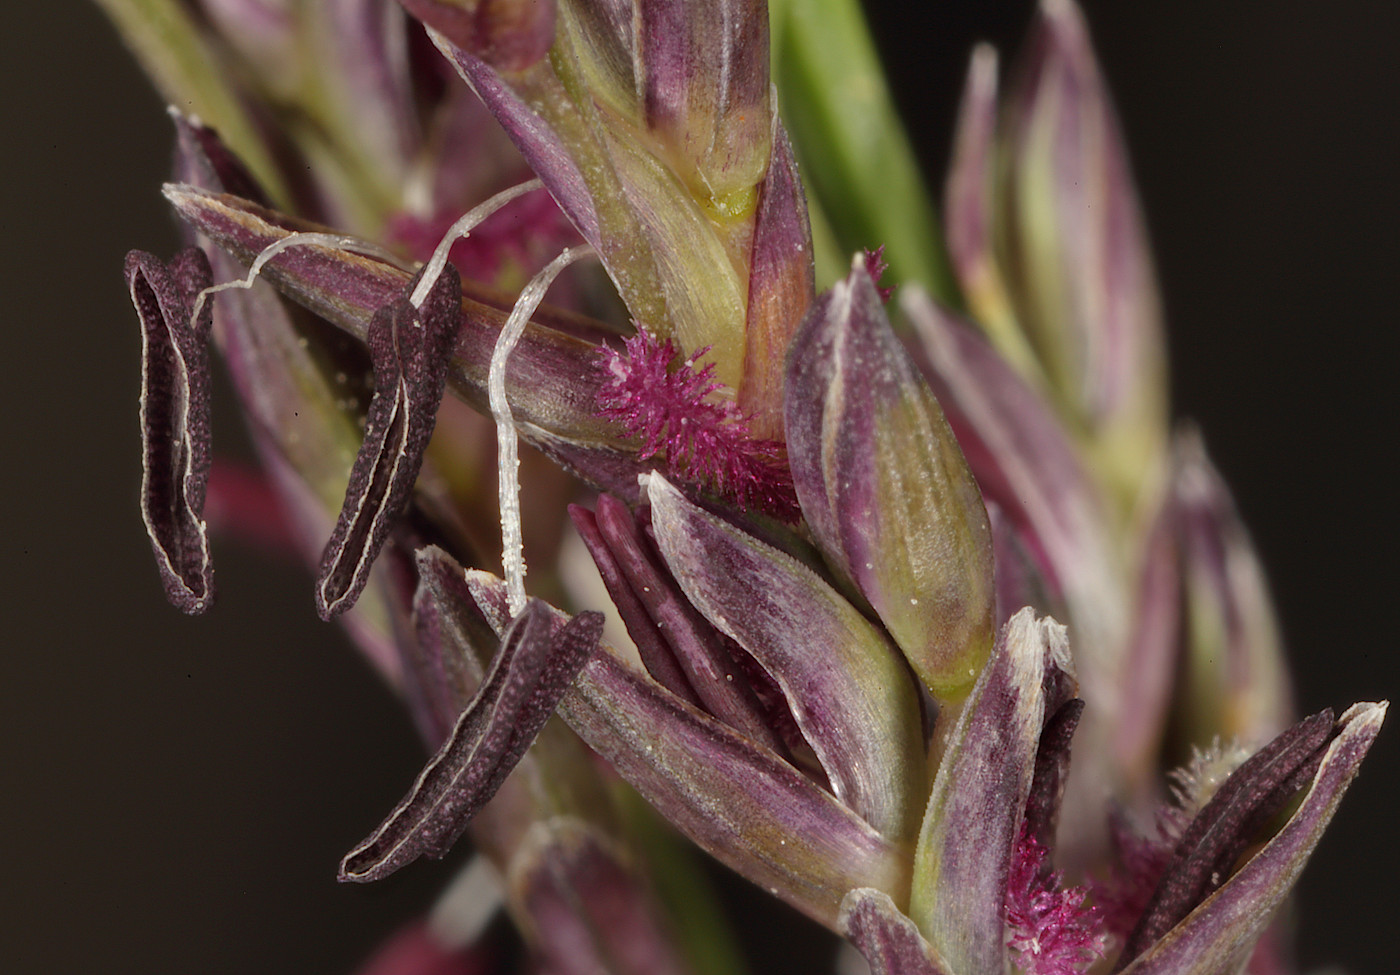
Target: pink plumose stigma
{"x":1049,"y":926}
{"x":672,"y":409}
{"x":1141,"y":858}
{"x":876,"y":266}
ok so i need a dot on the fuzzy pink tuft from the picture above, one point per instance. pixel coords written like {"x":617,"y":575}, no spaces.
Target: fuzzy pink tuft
{"x":1139,"y":862}
{"x":876,"y":266}
{"x":1142,"y":858}
{"x":671,"y":408}
{"x":1049,"y":926}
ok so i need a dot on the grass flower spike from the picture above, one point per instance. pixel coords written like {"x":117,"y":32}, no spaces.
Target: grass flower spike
{"x":893,"y":599}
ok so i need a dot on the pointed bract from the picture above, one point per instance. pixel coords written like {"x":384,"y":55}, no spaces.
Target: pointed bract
{"x":203,"y":159}
{"x":656,"y":654}
{"x":175,"y":419}
{"x":532,"y":670}
{"x":447,"y":656}
{"x":845,"y":684}
{"x":888,"y":940}
{"x":702,"y":75}
{"x":1221,"y":831}
{"x":410,"y":349}
{"x":1075,"y":246}
{"x":550,"y":380}
{"x":1026,"y":463}
{"x":1051,"y":770}
{"x":1219,"y":934}
{"x":970,"y":214}
{"x":707,"y":665}
{"x":301,"y":384}
{"x":885,"y":487}
{"x":542,"y":146}
{"x":1235,"y":676}
{"x":677,"y":254}
{"x":586,"y":912}
{"x":737,"y":800}
{"x":970,"y":831}
{"x":782,"y":286}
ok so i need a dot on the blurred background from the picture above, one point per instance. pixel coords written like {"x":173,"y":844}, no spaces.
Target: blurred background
{"x":177,"y":793}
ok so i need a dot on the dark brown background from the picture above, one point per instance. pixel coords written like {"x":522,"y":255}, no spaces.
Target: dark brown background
{"x":176,"y":793}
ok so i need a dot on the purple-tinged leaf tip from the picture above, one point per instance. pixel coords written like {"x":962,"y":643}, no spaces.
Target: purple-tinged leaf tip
{"x":708,"y":666}
{"x":410,"y":349}
{"x":175,"y":419}
{"x":849,"y":691}
{"x":735,"y":799}
{"x":585,"y":912}
{"x":1235,"y":678}
{"x":963,"y":861}
{"x":202,"y":159}
{"x":509,"y":35}
{"x":1221,"y":831}
{"x":1074,"y":246}
{"x":1219,"y":935}
{"x":885,"y":487}
{"x":702,"y":73}
{"x":888,"y":940}
{"x":969,"y":206}
{"x":782,"y":286}
{"x":531,"y":672}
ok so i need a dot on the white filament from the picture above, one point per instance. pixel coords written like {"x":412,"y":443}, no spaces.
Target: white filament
{"x":304,"y":239}
{"x":432,"y":270}
{"x":468,"y":905}
{"x":463,"y":226}
{"x":507,"y":455}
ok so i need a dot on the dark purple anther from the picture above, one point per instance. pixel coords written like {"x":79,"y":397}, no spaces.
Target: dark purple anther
{"x":533,"y":669}
{"x":175,"y":419}
{"x":1222,"y":830}
{"x":410,"y":349}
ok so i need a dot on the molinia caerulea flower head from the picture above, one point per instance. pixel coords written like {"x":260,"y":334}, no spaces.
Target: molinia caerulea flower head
{"x":904,"y":611}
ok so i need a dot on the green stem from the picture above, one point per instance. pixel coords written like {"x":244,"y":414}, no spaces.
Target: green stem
{"x":849,"y":138}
